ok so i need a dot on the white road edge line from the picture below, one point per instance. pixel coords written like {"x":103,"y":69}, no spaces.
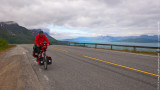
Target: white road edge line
{"x":40,"y":70}
{"x":24,"y":53}
{"x":35,"y":62}
{"x":46,"y":77}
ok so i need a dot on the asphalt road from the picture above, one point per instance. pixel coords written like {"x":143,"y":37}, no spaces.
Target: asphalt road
{"x":78,"y":68}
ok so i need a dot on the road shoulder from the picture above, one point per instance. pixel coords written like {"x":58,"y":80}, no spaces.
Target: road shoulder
{"x":16,"y":72}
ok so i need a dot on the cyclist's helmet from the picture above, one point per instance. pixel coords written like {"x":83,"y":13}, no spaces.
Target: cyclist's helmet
{"x":41,"y":32}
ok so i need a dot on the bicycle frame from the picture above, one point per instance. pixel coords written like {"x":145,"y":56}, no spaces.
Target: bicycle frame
{"x":43,"y":54}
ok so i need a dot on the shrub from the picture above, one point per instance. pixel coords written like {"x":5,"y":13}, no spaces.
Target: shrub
{"x":3,"y":44}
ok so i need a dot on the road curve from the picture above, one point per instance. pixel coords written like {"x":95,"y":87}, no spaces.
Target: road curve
{"x":78,"y":68}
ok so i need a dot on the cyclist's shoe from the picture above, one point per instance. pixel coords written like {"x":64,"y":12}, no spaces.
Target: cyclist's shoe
{"x":36,"y":54}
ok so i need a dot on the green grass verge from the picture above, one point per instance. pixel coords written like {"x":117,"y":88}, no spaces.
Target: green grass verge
{"x":143,"y":52}
{"x":9,"y":47}
{"x":4,"y":45}
{"x":147,"y":52}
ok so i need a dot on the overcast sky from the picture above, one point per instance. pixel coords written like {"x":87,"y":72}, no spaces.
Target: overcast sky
{"x":77,"y":18}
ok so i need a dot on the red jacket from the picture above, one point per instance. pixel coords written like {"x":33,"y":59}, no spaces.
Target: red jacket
{"x":39,"y":39}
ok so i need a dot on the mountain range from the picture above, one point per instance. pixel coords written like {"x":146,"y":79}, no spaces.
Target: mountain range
{"x":100,"y":39}
{"x":16,"y":34}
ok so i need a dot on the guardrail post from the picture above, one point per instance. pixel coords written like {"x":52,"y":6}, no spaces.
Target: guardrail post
{"x":95,"y":46}
{"x":83,"y":44}
{"x":134,"y":48}
{"x":111,"y":47}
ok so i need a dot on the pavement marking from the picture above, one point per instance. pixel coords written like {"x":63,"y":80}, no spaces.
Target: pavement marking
{"x":123,"y":66}
{"x":133,"y":53}
{"x":46,"y":77}
{"x":35,"y":61}
{"x":60,"y":49}
{"x":24,"y":53}
{"x":145,"y":72}
{"x":40,"y":70}
{"x":76,"y":53}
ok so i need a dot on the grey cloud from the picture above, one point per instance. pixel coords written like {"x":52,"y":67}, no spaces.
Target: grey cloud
{"x":99,"y":16}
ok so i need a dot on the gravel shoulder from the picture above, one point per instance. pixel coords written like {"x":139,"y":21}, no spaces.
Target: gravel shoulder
{"x":16,"y":72}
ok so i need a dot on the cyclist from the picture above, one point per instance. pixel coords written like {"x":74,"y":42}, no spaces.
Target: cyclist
{"x":40,"y":38}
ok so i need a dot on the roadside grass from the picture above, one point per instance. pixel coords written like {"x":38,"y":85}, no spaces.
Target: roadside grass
{"x":4,"y":45}
{"x":9,"y":47}
{"x":142,"y":52}
{"x":147,"y":52}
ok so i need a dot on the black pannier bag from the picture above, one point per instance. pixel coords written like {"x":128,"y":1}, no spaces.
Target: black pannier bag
{"x":49,"y":60}
{"x":40,"y":61}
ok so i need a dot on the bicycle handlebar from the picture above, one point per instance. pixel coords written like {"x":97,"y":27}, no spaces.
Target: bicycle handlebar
{"x":44,"y":44}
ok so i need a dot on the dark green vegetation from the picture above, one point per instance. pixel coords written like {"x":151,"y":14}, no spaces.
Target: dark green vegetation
{"x":15,"y":34}
{"x":132,"y":51}
{"x":4,"y":45}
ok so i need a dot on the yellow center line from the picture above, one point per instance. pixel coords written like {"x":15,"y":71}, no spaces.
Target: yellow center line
{"x":123,"y":66}
{"x":60,"y":49}
{"x":112,"y":63}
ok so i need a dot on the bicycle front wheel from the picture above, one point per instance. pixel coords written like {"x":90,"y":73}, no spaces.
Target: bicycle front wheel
{"x":45,"y":65}
{"x":45,"y":61}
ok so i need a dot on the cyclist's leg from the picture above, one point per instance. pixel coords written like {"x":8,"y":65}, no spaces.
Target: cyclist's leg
{"x":34,"y":51}
{"x":38,"y":49}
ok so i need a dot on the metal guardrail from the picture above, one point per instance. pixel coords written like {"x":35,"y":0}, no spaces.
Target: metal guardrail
{"x":111,"y":45}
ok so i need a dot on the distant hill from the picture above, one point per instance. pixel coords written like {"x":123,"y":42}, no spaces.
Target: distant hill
{"x":16,"y":34}
{"x":140,"y":39}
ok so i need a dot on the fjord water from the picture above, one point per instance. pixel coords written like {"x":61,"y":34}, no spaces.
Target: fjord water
{"x":135,"y":44}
